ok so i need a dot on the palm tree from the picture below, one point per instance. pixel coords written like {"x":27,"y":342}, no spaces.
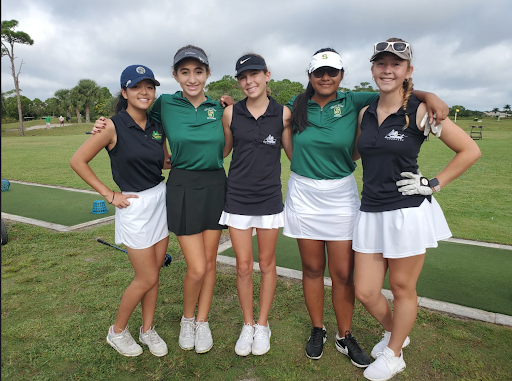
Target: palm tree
{"x":496,"y":110}
{"x":86,"y":94}
{"x":64,"y":97}
{"x":506,"y":108}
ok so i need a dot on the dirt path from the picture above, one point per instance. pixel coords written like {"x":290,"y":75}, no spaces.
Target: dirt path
{"x":40,"y":127}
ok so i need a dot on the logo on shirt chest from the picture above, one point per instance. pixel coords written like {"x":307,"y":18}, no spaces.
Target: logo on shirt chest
{"x":156,"y":136}
{"x":336,"y":109}
{"x":210,"y":113}
{"x":394,"y":135}
{"x":270,"y":140}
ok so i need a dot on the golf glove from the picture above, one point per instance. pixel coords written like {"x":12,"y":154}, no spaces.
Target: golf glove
{"x":413,"y":184}
{"x":436,"y":130}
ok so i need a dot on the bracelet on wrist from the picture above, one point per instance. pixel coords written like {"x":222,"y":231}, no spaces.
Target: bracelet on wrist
{"x":113,"y":194}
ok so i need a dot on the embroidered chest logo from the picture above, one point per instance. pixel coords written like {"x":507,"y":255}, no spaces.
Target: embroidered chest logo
{"x":336,"y":109}
{"x":270,"y":140}
{"x":156,"y":136}
{"x":394,"y":135}
{"x":210,"y":113}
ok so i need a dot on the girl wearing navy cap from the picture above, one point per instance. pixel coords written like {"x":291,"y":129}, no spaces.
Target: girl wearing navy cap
{"x":322,"y":201}
{"x":399,"y":217}
{"x":135,"y":144}
{"x":196,"y":186}
{"x":256,"y":128}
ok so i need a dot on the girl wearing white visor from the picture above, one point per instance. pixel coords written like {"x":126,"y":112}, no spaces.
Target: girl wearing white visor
{"x":399,"y":217}
{"x":322,"y":201}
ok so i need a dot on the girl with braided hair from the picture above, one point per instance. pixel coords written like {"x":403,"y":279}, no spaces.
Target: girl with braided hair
{"x":398,"y":218}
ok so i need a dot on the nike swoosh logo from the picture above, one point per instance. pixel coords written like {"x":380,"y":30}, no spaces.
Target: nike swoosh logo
{"x":242,"y":62}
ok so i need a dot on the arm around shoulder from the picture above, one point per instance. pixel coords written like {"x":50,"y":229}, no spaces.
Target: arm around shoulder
{"x":286,"y":138}
{"x":226,"y":125}
{"x":355,"y":153}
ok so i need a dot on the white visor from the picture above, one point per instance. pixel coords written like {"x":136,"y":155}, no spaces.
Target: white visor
{"x":329,"y":59}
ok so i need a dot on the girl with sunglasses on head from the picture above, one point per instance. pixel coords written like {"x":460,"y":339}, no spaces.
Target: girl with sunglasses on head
{"x":399,"y":217}
{"x":136,"y":146}
{"x":322,"y":201}
{"x":255,"y":128}
{"x":196,"y":186}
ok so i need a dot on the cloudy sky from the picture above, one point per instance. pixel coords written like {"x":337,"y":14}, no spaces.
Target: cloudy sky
{"x":462,"y":48}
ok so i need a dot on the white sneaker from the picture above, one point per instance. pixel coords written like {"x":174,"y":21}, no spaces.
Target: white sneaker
{"x":385,"y":367}
{"x":203,"y":339}
{"x":155,"y":343}
{"x":244,"y":343}
{"x":261,"y":343}
{"x":379,"y":347}
{"x":123,"y":342}
{"x":187,"y":333}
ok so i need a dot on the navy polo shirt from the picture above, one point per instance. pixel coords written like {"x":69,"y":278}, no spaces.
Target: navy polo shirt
{"x":138,"y":157}
{"x":386,"y":151}
{"x":254,"y":179}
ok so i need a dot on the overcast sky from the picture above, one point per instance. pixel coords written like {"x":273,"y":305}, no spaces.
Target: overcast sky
{"x":462,"y":48}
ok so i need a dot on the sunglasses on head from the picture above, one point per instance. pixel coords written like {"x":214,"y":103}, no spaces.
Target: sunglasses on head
{"x":397,"y":46}
{"x":332,"y":72}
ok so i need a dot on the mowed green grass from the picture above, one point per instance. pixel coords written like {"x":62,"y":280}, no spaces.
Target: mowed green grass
{"x":58,"y":206}
{"x":476,"y":205}
{"x":467,"y":275}
{"x":61,"y":291}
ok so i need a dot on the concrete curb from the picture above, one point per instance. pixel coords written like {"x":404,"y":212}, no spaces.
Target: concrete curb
{"x":431,"y":304}
{"x":57,"y":227}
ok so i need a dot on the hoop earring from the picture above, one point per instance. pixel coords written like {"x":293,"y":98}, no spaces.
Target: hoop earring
{"x":406,"y":80}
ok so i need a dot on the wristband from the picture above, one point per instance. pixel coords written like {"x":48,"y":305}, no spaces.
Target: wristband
{"x":434,"y":184}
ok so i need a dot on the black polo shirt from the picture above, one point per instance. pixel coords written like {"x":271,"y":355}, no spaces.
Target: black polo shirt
{"x":386,"y":151}
{"x":254,"y":179}
{"x":137,"y":158}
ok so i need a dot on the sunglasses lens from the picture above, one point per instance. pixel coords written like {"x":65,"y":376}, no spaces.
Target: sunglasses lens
{"x":319,"y":73}
{"x":399,"y":46}
{"x":381,"y":46}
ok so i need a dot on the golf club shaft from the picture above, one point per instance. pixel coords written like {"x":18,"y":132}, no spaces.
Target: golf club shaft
{"x":108,"y":244}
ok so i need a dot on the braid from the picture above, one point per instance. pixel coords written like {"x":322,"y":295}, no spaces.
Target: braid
{"x":407,"y":88}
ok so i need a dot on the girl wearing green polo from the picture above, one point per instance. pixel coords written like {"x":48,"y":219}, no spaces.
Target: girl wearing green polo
{"x":322,"y":200}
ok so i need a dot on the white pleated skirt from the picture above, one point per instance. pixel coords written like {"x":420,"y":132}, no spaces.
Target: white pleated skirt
{"x":144,"y":222}
{"x":243,"y":222}
{"x":320,"y":209}
{"x":401,"y":233}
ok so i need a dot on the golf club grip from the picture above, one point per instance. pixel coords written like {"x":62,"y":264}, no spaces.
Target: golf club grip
{"x":108,"y":244}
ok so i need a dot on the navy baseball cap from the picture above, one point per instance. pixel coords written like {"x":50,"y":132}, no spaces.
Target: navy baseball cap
{"x":191,"y":53}
{"x":249,"y":62}
{"x":133,"y":74}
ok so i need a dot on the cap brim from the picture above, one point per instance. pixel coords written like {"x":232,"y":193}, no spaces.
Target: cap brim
{"x":134,"y":82}
{"x":401,"y":55}
{"x":250,"y":67}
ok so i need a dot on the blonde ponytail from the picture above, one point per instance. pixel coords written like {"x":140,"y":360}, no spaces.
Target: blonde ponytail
{"x":407,"y":89}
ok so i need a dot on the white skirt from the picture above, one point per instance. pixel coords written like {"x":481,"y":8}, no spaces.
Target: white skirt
{"x":320,"y":209}
{"x":144,"y":222}
{"x":401,"y":233}
{"x":242,"y":222}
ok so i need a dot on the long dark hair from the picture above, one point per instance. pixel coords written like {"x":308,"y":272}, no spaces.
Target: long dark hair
{"x":122,"y":103}
{"x":300,"y":105}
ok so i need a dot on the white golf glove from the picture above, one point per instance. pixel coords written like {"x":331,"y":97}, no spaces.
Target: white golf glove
{"x":436,"y":130}
{"x":413,"y":184}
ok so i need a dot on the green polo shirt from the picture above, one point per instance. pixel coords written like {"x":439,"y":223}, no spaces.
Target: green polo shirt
{"x":324,"y":149}
{"x":196,"y":136}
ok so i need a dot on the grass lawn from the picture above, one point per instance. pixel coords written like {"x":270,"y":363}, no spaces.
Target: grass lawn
{"x":476,"y":205}
{"x":449,"y":273}
{"x":61,"y":291}
{"x":59,"y":206}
